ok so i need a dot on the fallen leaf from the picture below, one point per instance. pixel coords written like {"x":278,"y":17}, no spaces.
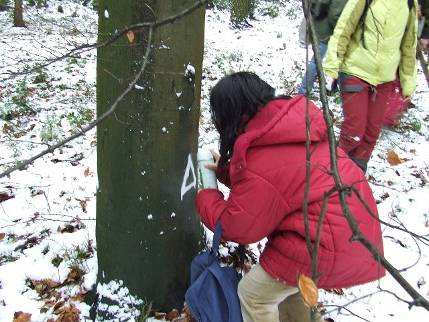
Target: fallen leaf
{"x":393,"y":158}
{"x":75,"y":275}
{"x":79,"y":297}
{"x":131,"y":37}
{"x":7,"y":129}
{"x":82,"y":204}
{"x":5,"y":196}
{"x":308,"y":290}
{"x":21,"y":317}
{"x":2,"y":236}
{"x":87,"y":172}
{"x":36,"y":192}
{"x":68,"y":314}
{"x":57,"y":306}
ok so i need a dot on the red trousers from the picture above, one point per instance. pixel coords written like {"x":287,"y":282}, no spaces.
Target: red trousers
{"x":364,"y":107}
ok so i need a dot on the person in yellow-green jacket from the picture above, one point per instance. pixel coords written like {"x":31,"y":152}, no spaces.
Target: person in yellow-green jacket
{"x":374,"y":42}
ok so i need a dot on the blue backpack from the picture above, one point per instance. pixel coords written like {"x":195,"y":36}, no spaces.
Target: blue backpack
{"x":212,"y":296}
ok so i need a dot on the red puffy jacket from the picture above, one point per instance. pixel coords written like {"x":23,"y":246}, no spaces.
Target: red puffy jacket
{"x":267,"y":177}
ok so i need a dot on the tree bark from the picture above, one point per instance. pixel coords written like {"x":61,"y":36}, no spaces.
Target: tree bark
{"x":18,"y":19}
{"x":241,"y":10}
{"x":147,"y":229}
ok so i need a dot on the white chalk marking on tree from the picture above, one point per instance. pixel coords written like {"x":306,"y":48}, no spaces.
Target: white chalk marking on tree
{"x":188,"y":171}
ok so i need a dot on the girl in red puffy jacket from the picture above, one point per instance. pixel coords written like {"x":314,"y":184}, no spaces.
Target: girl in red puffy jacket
{"x":262,"y":160}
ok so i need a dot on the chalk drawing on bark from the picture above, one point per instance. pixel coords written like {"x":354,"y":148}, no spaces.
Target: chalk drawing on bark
{"x":189,"y":172}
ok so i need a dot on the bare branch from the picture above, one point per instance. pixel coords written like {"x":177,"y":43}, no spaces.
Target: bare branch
{"x":405,"y":230}
{"x":418,"y":299}
{"x":87,"y":47}
{"x":93,"y":124}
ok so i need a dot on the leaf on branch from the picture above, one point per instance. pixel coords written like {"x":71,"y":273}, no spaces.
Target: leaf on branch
{"x":131,"y":37}
{"x":21,"y":317}
{"x":393,"y":158}
{"x":308,"y":289}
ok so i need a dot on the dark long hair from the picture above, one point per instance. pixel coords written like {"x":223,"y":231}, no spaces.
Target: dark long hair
{"x":234,"y":100}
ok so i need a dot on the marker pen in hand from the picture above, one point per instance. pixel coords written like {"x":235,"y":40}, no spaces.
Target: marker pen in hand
{"x":206,"y":177}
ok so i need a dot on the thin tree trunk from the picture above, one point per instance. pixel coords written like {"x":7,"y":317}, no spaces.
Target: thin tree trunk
{"x":147,"y":230}
{"x":241,"y":10}
{"x":18,"y":19}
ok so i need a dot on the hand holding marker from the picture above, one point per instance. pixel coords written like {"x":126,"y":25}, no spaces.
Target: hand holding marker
{"x":207,"y":165}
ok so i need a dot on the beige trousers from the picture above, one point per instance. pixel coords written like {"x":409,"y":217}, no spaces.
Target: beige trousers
{"x":264,"y":299}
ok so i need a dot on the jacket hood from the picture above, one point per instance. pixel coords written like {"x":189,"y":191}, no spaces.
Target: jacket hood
{"x":281,"y":121}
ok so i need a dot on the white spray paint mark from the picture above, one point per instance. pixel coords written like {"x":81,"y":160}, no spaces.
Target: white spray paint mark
{"x":188,"y":171}
{"x":190,"y":70}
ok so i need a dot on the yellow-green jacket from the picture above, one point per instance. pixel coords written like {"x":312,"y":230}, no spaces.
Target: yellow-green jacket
{"x":390,"y":39}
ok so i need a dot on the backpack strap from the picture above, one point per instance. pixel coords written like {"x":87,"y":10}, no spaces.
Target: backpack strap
{"x":216,"y":238}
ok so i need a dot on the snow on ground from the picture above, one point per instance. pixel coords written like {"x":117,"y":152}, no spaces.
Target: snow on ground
{"x":47,"y":230}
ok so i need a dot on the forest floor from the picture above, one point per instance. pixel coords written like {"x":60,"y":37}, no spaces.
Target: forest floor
{"x":47,"y":212}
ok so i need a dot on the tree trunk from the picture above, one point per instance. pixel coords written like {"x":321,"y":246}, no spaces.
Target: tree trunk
{"x":241,"y":10}
{"x":18,"y":19}
{"x":147,"y":229}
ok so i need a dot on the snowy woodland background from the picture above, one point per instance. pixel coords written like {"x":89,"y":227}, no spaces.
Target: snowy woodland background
{"x":48,"y":253}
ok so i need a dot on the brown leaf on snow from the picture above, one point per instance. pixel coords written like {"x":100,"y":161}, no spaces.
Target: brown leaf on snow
{"x":56,"y":308}
{"x":36,"y":192}
{"x":7,"y":129}
{"x":2,"y":236}
{"x":45,"y":288}
{"x":79,"y":297}
{"x":308,"y":289}
{"x":393,"y":158}
{"x":75,"y":275}
{"x":68,"y":314}
{"x":70,"y":228}
{"x":82,"y":204}
{"x":87,"y":172}
{"x":21,"y":317}
{"x":5,"y":196}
